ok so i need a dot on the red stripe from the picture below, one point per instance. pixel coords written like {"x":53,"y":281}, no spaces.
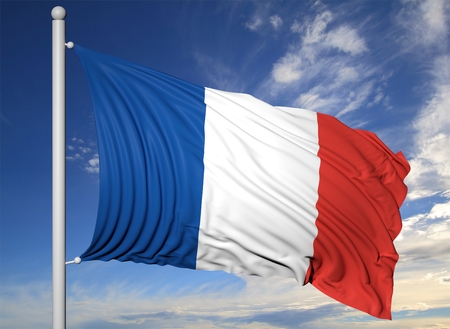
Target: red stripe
{"x":360,"y":191}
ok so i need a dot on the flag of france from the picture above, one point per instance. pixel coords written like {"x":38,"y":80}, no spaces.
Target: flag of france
{"x":206,"y":179}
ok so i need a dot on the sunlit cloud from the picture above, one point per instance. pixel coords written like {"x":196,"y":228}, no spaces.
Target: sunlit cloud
{"x":260,"y":301}
{"x":425,"y":236}
{"x":263,"y":303}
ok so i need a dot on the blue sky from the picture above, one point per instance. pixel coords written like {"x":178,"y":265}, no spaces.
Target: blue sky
{"x":383,"y":66}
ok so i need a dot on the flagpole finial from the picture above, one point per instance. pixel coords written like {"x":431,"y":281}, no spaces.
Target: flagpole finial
{"x":58,"y":13}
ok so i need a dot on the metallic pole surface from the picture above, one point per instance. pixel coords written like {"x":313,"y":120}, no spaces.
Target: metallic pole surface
{"x":59,"y":167}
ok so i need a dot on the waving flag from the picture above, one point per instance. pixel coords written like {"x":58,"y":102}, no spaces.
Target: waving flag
{"x":206,"y":179}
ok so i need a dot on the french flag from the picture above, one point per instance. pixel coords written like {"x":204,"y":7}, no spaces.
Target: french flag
{"x":206,"y":179}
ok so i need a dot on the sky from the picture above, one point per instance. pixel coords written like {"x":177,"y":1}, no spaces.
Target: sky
{"x":382,"y":66}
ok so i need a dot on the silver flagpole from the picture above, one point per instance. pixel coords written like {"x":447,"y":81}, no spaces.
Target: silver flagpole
{"x":59,"y":167}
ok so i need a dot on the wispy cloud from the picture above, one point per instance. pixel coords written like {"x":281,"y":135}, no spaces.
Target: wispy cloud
{"x":323,"y":70}
{"x":426,"y":23}
{"x":263,"y":303}
{"x":346,"y":39}
{"x":423,"y":267}
{"x":316,"y":39}
{"x":264,"y":18}
{"x":425,"y":236}
{"x":218,"y":74}
{"x":315,"y":32}
{"x":330,"y":68}
{"x":276,"y":21}
{"x":255,"y":23}
{"x":28,"y":305}
{"x":430,"y":164}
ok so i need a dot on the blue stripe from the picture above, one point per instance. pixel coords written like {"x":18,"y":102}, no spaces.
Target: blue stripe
{"x":150,"y":129}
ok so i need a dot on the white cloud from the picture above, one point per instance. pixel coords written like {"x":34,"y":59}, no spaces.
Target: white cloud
{"x":316,"y":31}
{"x":128,"y":303}
{"x":346,"y":74}
{"x":77,"y":140}
{"x":85,"y":149}
{"x":316,"y":79}
{"x":426,"y":26}
{"x":307,"y":101}
{"x":419,"y":222}
{"x":422,"y":277}
{"x":287,"y":69}
{"x":440,"y":210}
{"x":357,"y":98}
{"x":276,"y":21}
{"x":347,"y":40}
{"x":430,"y":165}
{"x":439,"y":231}
{"x":296,"y":27}
{"x":74,"y":157}
{"x":434,"y":15}
{"x":425,"y":236}
{"x":313,"y":102}
{"x":93,"y":165}
{"x":378,"y":97}
{"x":262,"y":303}
{"x":254,"y":24}
{"x":28,"y":305}
{"x":426,"y":23}
{"x":301,"y":56}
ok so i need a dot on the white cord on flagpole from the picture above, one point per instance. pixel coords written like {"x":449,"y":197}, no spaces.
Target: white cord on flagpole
{"x":59,"y":167}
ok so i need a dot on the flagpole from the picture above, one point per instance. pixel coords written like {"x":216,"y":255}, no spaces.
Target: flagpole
{"x":59,"y":167}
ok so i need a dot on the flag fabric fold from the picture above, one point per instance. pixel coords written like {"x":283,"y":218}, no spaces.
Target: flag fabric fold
{"x":206,"y":179}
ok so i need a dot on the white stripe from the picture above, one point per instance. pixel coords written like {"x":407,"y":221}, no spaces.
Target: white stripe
{"x":260,"y":187}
